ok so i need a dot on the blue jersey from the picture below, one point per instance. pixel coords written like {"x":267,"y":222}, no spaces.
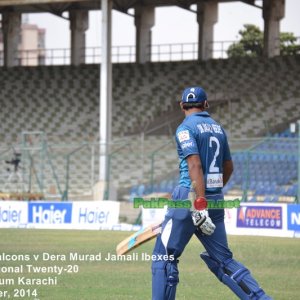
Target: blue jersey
{"x":200,"y":134}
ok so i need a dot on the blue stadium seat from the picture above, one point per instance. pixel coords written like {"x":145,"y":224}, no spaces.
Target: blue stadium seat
{"x":140,"y":190}
{"x":133,"y":193}
{"x":267,"y":199}
{"x":253,"y":199}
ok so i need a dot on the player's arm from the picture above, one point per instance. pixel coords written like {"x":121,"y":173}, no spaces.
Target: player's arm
{"x":196,"y":174}
{"x":188,"y":146}
{"x":227,"y":161}
{"x":227,"y":170}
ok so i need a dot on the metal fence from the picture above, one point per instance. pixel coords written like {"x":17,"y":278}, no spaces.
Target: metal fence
{"x":265,"y":169}
{"x":122,"y":54}
{"x":64,"y":171}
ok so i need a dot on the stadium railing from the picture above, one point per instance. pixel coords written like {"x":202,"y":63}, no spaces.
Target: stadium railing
{"x":124,"y":53}
{"x":265,"y":169}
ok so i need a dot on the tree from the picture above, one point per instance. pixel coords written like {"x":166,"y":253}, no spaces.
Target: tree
{"x":251,"y":43}
{"x":288,"y":44}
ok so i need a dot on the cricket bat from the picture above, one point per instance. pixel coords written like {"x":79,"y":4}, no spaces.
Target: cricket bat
{"x":138,"y":238}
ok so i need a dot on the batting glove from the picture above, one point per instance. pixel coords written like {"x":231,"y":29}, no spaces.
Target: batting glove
{"x":203,"y":222}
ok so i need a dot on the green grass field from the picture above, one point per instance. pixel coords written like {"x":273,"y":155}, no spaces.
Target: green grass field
{"x":275,"y":262}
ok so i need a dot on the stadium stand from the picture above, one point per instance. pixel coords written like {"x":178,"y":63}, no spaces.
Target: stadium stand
{"x":249,"y":96}
{"x":269,"y":170}
{"x":265,"y":172}
{"x":63,"y":100}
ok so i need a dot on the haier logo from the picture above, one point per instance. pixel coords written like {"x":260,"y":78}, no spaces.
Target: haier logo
{"x":294,"y":217}
{"x":94,"y":215}
{"x":50,"y":213}
{"x":10,"y":215}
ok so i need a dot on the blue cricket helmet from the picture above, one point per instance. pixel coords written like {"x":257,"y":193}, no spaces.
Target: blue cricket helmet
{"x":194,"y":94}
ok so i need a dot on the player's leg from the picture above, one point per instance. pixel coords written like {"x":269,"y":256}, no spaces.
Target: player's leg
{"x":177,"y":229}
{"x":219,"y":260}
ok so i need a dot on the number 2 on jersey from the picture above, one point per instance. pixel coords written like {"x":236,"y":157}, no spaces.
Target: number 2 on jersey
{"x":213,"y":168}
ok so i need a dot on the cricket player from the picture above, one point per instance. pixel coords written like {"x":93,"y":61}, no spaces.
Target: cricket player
{"x":204,"y":159}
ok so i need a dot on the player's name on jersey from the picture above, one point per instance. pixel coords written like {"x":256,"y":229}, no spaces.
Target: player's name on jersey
{"x":205,"y":127}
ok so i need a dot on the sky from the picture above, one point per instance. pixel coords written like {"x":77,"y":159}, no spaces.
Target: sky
{"x":172,"y":25}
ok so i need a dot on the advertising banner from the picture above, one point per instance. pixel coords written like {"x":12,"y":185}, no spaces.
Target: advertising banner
{"x":49,"y":214}
{"x":95,"y":214}
{"x":230,"y":220}
{"x":153,"y":215}
{"x":60,"y":215}
{"x":13,"y":214}
{"x":293,"y":218}
{"x":259,"y":217}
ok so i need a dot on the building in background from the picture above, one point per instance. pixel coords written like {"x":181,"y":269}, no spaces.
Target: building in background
{"x":31,"y":50}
